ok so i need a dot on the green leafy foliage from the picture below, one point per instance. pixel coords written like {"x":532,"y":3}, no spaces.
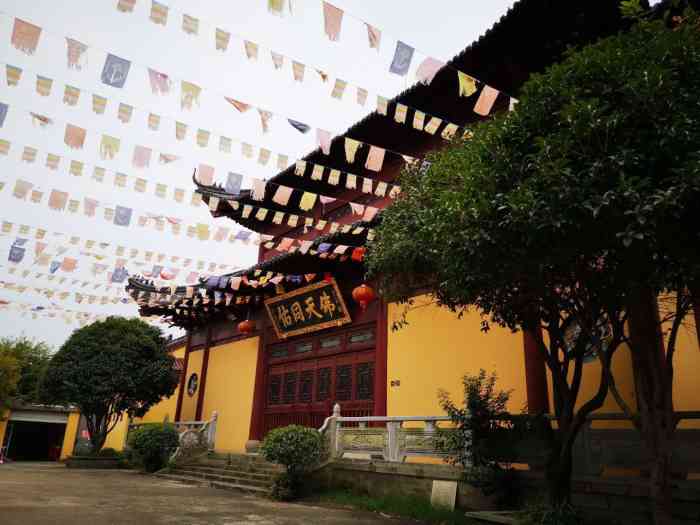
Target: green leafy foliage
{"x":111,"y":369}
{"x":555,"y":215}
{"x":32,"y":357}
{"x":151,"y":445}
{"x":9,"y":377}
{"x":298,"y":449}
{"x":544,"y":514}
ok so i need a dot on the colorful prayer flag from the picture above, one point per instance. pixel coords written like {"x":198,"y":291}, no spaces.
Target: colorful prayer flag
{"x":402,"y":59}
{"x":375,"y":158}
{"x":485,"y":102}
{"x":189,"y":94}
{"x":299,"y":126}
{"x":74,"y":53}
{"x":190,"y":24}
{"x":428,"y":69}
{"x":160,"y":82}
{"x":25,"y":36}
{"x":333,"y":19}
{"x":159,"y":13}
{"x":115,"y":71}
{"x":375,"y":37}
{"x":74,"y":136}
{"x":323,"y":139}
{"x":222,"y":39}
{"x":467,"y":84}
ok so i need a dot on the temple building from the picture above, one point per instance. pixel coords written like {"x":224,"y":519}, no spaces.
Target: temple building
{"x":281,"y":342}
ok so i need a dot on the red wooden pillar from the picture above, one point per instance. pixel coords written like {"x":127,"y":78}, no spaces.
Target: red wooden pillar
{"x":183,"y":377}
{"x":203,"y":374}
{"x":381,"y":359}
{"x":257,"y":417}
{"x":535,"y":376}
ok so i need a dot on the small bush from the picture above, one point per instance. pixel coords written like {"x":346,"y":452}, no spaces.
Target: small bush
{"x":152,"y":445}
{"x":298,"y":449}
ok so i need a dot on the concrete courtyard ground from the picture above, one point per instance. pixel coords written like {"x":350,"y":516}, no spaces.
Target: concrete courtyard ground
{"x":43,"y":493}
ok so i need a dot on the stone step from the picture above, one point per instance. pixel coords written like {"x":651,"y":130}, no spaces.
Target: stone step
{"x":262,"y":467}
{"x":228,"y":471}
{"x":211,"y":476}
{"x":214,"y":484}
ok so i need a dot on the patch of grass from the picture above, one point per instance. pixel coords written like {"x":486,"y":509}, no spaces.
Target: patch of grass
{"x":404,"y":506}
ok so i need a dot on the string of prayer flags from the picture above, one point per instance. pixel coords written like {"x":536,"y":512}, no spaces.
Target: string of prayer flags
{"x":71,"y":95}
{"x":74,"y":136}
{"x":222,"y":39}
{"x":428,"y":69}
{"x":190,"y":24}
{"x":323,"y":139}
{"x":43,"y":85}
{"x":251,"y":49}
{"x":375,"y":37}
{"x":299,"y":126}
{"x":126,"y":6}
{"x":159,"y":13}
{"x":25,"y":36}
{"x":298,"y":71}
{"x":467,"y":84}
{"x":13,"y":74}
{"x":160,"y":82}
{"x":75,"y":51}
{"x":115,"y":71}
{"x":333,"y":19}
{"x":99,"y":104}
{"x":189,"y":94}
{"x":402,"y":59}
{"x":265,"y":117}
{"x":375,"y":158}
{"x":242,"y":107}
{"x":485,"y":102}
{"x":109,"y":147}
{"x":142,"y":157}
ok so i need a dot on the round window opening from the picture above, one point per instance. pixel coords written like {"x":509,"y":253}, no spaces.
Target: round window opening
{"x":192,"y":383}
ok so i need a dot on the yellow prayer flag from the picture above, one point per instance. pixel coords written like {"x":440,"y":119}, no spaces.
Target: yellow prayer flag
{"x":467,"y":84}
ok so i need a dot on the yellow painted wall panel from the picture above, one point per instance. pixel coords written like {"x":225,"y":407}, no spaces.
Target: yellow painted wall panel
{"x":229,"y":392}
{"x":189,"y":403}
{"x":436,"y":349}
{"x":167,"y":406}
{"x":116,"y":439}
{"x":70,"y":434}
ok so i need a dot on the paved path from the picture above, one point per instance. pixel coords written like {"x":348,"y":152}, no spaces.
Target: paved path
{"x":48,"y":493}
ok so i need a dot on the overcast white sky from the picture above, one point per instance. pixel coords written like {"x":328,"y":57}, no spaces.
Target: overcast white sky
{"x":438,"y":28}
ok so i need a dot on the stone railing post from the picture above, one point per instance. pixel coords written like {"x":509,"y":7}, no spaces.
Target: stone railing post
{"x":393,"y":452}
{"x":333,"y":432}
{"x":211,"y":430}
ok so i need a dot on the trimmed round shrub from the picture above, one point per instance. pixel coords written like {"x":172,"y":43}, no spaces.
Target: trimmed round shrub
{"x":298,"y":449}
{"x":152,"y":445}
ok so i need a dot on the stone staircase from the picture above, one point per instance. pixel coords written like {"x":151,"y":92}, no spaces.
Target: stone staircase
{"x":241,"y":472}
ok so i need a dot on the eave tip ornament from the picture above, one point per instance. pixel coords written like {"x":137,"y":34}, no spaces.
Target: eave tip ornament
{"x":363,"y":295}
{"x":246,"y":327}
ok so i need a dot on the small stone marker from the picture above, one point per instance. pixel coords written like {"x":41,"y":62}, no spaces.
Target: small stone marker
{"x":444,"y":494}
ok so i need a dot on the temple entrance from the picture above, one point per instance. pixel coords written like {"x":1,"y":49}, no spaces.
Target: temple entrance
{"x":307,"y":376}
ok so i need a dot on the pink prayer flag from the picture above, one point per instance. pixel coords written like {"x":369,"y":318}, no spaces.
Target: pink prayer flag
{"x":333,"y":18}
{"x":326,"y":200}
{"x":142,"y":157}
{"x":160,"y":83}
{"x":75,"y":51}
{"x":375,"y":158}
{"x":265,"y":117}
{"x":258,"y":190}
{"x":89,"y":206}
{"x":375,"y":37}
{"x":25,"y":36}
{"x":486,"y":100}
{"x":282,"y":195}
{"x":370,"y":213}
{"x":69,"y":264}
{"x":285,"y":244}
{"x":323,"y":138}
{"x":205,"y":174}
{"x":74,"y":136}
{"x":357,"y":209}
{"x":428,"y":69}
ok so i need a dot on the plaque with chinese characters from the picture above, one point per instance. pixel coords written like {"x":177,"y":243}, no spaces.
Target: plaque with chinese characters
{"x":308,"y":309}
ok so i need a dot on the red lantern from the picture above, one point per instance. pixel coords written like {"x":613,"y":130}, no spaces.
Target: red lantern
{"x":246,"y":327}
{"x":364,"y":295}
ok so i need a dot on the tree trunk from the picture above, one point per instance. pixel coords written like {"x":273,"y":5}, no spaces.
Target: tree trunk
{"x":559,"y":471}
{"x":661,"y":498}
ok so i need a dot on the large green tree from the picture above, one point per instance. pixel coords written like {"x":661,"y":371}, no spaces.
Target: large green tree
{"x":110,"y":369}
{"x":9,"y":377}
{"x":567,"y":218}
{"x":32,"y":358}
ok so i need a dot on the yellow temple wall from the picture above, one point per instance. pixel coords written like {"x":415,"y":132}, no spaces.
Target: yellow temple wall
{"x":189,"y":403}
{"x":4,"y":416}
{"x":436,"y":349}
{"x":229,"y":392}
{"x":69,"y":435}
{"x":116,"y":439}
{"x":686,"y":366}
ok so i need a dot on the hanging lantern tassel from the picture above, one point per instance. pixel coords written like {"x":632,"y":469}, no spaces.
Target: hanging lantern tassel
{"x":364,"y":295}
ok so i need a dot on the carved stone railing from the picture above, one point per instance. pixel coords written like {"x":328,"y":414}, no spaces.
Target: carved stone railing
{"x":384,"y":437}
{"x":194,"y":437}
